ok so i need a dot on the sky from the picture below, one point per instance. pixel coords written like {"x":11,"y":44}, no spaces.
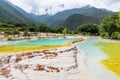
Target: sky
{"x":41,"y":7}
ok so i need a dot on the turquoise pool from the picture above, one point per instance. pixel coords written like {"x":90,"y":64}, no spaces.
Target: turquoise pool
{"x":91,"y":49}
{"x":51,"y":41}
{"x":30,"y":45}
{"x":40,"y":42}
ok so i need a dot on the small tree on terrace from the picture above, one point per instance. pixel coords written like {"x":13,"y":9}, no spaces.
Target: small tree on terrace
{"x":64,"y":32}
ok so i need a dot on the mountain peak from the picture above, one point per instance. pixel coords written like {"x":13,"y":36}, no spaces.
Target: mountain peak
{"x":61,"y":5}
{"x":88,"y":6}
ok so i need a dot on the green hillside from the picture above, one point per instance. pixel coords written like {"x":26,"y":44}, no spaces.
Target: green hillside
{"x":12,"y":13}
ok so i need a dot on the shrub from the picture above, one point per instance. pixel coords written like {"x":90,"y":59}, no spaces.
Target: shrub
{"x":115,"y":35}
{"x":104,"y":35}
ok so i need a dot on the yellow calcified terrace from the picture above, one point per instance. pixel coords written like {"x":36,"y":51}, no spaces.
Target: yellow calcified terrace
{"x":10,"y":49}
{"x":113,"y":51}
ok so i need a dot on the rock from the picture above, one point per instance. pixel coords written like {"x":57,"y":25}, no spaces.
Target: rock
{"x":31,"y":65}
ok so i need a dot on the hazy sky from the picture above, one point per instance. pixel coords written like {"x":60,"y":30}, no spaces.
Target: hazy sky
{"x":53,"y":6}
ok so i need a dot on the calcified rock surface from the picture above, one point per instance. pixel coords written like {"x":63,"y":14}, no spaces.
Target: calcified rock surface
{"x":53,"y":64}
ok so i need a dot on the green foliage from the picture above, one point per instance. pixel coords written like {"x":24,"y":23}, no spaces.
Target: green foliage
{"x":64,"y":31}
{"x":60,"y":29}
{"x":11,"y":28}
{"x":118,"y":21}
{"x":111,"y":26}
{"x":115,"y":35}
{"x":45,"y":28}
{"x":72,"y":32}
{"x":108,"y":24}
{"x":88,"y":29}
{"x":104,"y":35}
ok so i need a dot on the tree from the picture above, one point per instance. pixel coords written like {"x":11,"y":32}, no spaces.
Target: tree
{"x":92,"y":29}
{"x":115,"y":35}
{"x":64,"y":31}
{"x":118,"y":20}
{"x":60,"y":29}
{"x":109,"y":25}
{"x":72,"y":32}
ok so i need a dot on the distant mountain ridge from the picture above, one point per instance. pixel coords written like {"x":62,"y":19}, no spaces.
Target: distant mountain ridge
{"x":58,"y":18}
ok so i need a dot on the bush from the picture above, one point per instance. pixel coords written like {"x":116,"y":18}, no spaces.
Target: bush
{"x":104,"y":35}
{"x":88,"y":29}
{"x":115,"y":35}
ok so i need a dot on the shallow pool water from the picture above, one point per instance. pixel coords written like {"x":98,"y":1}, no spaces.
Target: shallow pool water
{"x":40,"y":42}
{"x":31,"y":45}
{"x":90,"y":47}
{"x":51,"y":41}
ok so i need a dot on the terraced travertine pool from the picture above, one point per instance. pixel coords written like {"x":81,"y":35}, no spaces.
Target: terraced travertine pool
{"x":28,"y":45}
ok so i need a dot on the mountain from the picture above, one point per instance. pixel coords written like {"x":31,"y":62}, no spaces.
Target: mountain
{"x":12,"y":13}
{"x":77,"y":19}
{"x":58,"y":18}
{"x":69,"y":18}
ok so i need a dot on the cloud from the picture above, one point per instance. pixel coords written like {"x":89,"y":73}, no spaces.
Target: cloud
{"x":108,"y":4}
{"x":112,"y":1}
{"x":40,"y":7}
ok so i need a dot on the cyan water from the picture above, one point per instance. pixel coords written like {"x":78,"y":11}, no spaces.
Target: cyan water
{"x":40,"y":42}
{"x":51,"y":41}
{"x":90,"y":47}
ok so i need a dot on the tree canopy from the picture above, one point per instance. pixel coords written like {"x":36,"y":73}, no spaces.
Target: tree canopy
{"x":91,"y":29}
{"x":110,"y":25}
